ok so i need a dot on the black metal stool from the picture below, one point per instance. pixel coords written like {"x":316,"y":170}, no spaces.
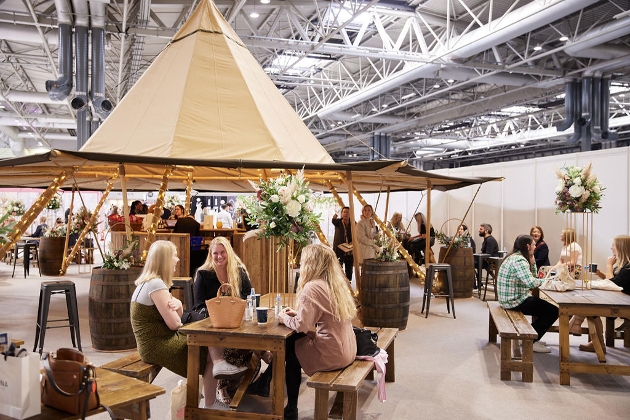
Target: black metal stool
{"x":186,"y":285}
{"x":428,"y":286}
{"x":27,"y":248}
{"x":52,"y":288}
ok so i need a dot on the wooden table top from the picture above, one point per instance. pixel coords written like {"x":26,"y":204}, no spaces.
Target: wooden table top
{"x":271,"y":330}
{"x":114,"y":390}
{"x":591,"y":297}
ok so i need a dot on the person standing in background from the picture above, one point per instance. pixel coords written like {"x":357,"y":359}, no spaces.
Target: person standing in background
{"x":366,"y":235}
{"x":343,"y":234}
{"x":224,"y":217}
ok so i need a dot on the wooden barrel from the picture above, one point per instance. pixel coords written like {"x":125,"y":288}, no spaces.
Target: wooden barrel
{"x":384,"y":294}
{"x":51,"y":255}
{"x":109,"y":307}
{"x":462,"y":270}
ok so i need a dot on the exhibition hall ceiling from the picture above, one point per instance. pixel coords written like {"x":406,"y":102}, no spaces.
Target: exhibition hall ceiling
{"x":448,"y":82}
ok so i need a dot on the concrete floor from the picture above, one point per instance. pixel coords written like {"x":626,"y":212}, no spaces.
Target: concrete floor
{"x":446,"y":368}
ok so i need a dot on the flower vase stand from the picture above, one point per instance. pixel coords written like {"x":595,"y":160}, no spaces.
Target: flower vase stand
{"x":428,"y":287}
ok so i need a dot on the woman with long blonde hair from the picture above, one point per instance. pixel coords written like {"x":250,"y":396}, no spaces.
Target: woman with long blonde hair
{"x":156,"y":319}
{"x":325,"y":305}
{"x":223,"y":267}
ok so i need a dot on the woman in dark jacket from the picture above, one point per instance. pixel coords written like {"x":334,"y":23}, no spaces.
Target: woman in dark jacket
{"x":541,"y":252}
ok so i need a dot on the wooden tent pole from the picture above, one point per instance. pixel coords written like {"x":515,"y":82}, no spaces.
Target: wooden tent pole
{"x":157,"y":211}
{"x":321,"y":236}
{"x":387,"y":204}
{"x":88,"y":227}
{"x":189,"y":182}
{"x":69,"y":223}
{"x":123,"y":182}
{"x":357,"y":268}
{"x":31,"y":214}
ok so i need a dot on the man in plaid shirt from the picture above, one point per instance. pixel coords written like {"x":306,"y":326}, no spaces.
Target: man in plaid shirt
{"x":517,"y":276}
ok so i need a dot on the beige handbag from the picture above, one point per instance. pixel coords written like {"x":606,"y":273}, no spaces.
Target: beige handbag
{"x":561,"y":281}
{"x":226,"y":311}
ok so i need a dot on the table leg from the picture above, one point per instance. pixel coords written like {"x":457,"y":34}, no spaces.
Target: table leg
{"x":192,"y":386}
{"x":594,"y":337}
{"x":565,"y":358}
{"x":278,"y":375}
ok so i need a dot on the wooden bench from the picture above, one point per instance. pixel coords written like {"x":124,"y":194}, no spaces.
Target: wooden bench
{"x":134,"y":367}
{"x":512,"y":325}
{"x":348,"y":380}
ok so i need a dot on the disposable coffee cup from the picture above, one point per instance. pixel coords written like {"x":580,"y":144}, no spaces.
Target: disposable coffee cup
{"x":257,"y":299}
{"x":262,"y":313}
{"x":593,"y":268}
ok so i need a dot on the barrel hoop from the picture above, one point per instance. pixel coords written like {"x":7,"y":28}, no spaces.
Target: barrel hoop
{"x":384,"y":305}
{"x":386,"y":289}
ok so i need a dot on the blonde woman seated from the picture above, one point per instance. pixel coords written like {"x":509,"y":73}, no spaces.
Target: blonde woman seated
{"x":156,"y":318}
{"x":618,"y":271}
{"x":571,"y":253}
{"x":322,"y":319}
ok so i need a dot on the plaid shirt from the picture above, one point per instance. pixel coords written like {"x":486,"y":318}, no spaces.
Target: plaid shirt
{"x":515,"y":280}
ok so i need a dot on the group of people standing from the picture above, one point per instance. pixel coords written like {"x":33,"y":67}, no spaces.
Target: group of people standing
{"x":324,"y":339}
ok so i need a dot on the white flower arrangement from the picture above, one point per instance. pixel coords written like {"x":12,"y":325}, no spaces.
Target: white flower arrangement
{"x":121,"y":258}
{"x":578,"y":190}
{"x":283,"y":208}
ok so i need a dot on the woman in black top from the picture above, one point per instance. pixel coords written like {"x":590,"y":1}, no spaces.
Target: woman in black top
{"x":541,"y":252}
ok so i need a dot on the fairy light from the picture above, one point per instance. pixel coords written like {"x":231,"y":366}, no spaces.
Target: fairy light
{"x":159,"y":204}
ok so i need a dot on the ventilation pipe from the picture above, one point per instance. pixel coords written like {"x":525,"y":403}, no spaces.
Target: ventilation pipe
{"x":593,"y":39}
{"x":102,"y":107}
{"x":596,"y":130}
{"x":569,"y":100}
{"x":577,"y":113}
{"x":59,"y":89}
{"x":607,"y":134}
{"x":81,"y":56}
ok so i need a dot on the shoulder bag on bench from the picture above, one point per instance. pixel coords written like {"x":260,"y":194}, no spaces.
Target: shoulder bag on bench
{"x":70,"y":383}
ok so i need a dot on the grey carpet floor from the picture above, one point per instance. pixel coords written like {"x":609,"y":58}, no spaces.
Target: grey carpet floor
{"x":445,"y":367}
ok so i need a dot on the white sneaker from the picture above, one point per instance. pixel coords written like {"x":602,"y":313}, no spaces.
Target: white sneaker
{"x":541,"y":348}
{"x":218,"y":405}
{"x":225,"y":370}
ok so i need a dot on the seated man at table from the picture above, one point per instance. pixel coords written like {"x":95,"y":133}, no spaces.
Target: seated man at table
{"x":516,"y":279}
{"x":489,"y":246}
{"x":225,"y":217}
{"x":187,"y":224}
{"x":41,"y":228}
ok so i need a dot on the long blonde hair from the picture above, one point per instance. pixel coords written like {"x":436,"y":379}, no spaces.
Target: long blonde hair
{"x":159,"y":263}
{"x":234,"y":263}
{"x":622,"y":245}
{"x":319,"y":262}
{"x":568,"y":236}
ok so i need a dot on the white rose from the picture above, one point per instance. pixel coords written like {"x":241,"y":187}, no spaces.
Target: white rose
{"x":274,"y":198}
{"x":596,"y":189}
{"x":577,"y":181}
{"x":576,"y":191}
{"x":272,"y":225}
{"x":293,"y":208}
{"x":560,"y":186}
{"x":301,"y":198}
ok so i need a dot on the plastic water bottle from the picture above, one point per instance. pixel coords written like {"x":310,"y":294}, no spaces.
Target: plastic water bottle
{"x":252,"y":295}
{"x":278,"y":307}
{"x":249,"y":309}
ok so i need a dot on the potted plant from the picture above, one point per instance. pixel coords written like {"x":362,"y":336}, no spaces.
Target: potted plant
{"x":111,"y":287}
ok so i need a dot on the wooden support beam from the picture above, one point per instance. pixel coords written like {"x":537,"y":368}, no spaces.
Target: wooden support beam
{"x":157,"y":211}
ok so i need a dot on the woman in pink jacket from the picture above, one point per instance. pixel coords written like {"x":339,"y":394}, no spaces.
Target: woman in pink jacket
{"x":325,"y":308}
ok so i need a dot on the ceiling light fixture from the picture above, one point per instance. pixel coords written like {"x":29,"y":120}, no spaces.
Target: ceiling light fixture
{"x":564,"y":38}
{"x":436,"y":85}
{"x":385,"y":105}
{"x":409,"y":95}
{"x":265,"y":1}
{"x":450,"y":80}
{"x":254,"y":15}
{"x":537,"y":48}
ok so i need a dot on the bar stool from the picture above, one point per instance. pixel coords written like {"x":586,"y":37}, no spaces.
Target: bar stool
{"x":48,"y":289}
{"x":27,"y":248}
{"x":492,"y":272}
{"x":428,"y":286}
{"x":186,"y":285}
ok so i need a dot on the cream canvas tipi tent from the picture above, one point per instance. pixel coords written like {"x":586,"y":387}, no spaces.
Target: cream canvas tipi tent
{"x":206,"y":97}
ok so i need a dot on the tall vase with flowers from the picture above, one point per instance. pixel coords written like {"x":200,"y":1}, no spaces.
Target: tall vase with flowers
{"x":578,"y":190}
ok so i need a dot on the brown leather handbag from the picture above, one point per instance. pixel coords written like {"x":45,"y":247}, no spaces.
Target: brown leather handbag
{"x":69,"y":383}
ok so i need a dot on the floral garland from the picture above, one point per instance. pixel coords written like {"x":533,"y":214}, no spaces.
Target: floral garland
{"x":120,"y":258}
{"x":55,"y":232}
{"x":54,"y":203}
{"x":16,"y":207}
{"x":578,"y":190}
{"x":458,"y":241}
{"x":283,"y":208}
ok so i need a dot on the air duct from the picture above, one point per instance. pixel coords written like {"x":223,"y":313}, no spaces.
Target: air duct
{"x":569,"y":100}
{"x":595,"y":37}
{"x":59,"y":89}
{"x":102,"y":107}
{"x":81,"y":56}
{"x":606,"y":134}
{"x":577,"y":113}
{"x":17,"y":144}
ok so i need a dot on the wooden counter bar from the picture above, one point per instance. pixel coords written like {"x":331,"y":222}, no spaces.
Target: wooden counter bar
{"x":181,"y":241}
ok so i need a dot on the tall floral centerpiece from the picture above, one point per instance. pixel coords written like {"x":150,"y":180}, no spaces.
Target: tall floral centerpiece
{"x":283,"y":210}
{"x":578,"y":195}
{"x":578,"y":190}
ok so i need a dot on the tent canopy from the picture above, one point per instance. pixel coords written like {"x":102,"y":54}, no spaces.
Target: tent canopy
{"x":91,"y":171}
{"x":206,"y":95}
